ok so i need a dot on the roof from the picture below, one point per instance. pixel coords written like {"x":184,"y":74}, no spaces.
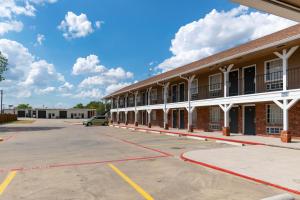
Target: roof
{"x":268,"y":41}
{"x":289,"y":9}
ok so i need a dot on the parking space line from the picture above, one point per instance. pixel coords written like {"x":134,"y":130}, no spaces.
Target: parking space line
{"x":131,"y":183}
{"x":7,"y":181}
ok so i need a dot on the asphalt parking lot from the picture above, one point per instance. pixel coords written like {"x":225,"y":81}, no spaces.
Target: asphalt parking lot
{"x":57,"y":159}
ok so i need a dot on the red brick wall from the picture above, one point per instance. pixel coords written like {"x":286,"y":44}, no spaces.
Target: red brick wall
{"x":294,"y":120}
{"x":203,"y":118}
{"x":261,"y":118}
{"x":159,"y":119}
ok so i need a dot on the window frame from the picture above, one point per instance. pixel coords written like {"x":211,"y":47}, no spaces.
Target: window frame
{"x":209,"y":82}
{"x":265,"y":71}
{"x":270,"y":120}
{"x":196,"y":88}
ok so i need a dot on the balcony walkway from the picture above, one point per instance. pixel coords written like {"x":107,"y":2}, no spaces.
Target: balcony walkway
{"x":234,"y":138}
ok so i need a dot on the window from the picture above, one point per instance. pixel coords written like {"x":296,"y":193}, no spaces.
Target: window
{"x":274,"y":130}
{"x":215,"y":82}
{"x":154,"y":94}
{"x":194,"y":86}
{"x":274,"y":115}
{"x":214,"y":115}
{"x":194,"y":118}
{"x":131,"y":100}
{"x":273,"y":70}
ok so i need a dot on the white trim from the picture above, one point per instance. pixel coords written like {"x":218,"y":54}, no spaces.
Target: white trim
{"x":243,"y":77}
{"x":265,"y":70}
{"x":217,"y":74}
{"x":241,"y":99}
{"x":238,"y":70}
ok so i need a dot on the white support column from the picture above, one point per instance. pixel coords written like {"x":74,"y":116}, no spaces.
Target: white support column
{"x":149,"y":117}
{"x":226,"y":71}
{"x":226,"y":108}
{"x":189,"y":108}
{"x":285,"y":56}
{"x":135,"y":110}
{"x":285,"y":105}
{"x":166,"y":87}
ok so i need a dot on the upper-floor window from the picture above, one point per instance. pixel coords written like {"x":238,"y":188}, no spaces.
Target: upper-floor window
{"x":273,"y":70}
{"x":131,"y":100}
{"x":215,"y":82}
{"x":194,"y":86}
{"x":154,"y":94}
{"x":274,"y":115}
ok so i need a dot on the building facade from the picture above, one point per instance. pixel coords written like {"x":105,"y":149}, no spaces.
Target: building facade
{"x":53,"y":113}
{"x":251,"y":89}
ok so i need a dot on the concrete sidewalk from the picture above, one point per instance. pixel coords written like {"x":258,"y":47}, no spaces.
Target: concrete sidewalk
{"x":271,"y":141}
{"x":277,"y":167}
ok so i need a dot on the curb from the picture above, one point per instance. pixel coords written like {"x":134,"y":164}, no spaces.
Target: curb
{"x":194,"y":136}
{"x":239,"y":175}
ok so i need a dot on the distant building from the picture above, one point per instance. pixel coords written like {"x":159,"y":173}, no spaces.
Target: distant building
{"x":46,"y":113}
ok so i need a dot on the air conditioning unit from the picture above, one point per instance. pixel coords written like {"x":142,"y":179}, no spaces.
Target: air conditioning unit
{"x":274,"y":86}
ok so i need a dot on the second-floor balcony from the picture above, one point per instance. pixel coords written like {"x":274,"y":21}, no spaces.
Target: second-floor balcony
{"x":238,"y":84}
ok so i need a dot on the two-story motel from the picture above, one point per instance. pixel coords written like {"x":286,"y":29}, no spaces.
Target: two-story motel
{"x":251,"y":89}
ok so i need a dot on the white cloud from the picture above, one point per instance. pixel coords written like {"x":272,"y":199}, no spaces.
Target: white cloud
{"x":40,"y":38}
{"x":26,"y":74}
{"x":98,"y":24}
{"x":114,"y":87}
{"x":46,"y":90}
{"x":75,"y":26}
{"x":217,"y":31}
{"x":66,"y":87}
{"x":90,"y":64}
{"x":7,"y":26}
{"x":41,"y":73}
{"x":9,"y":9}
{"x":102,"y":80}
{"x":95,"y":94}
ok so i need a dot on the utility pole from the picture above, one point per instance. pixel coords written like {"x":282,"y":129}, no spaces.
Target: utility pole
{"x":1,"y":93}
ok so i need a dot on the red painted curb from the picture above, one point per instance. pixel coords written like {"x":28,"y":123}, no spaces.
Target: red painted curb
{"x":240,"y":175}
{"x":196,"y":135}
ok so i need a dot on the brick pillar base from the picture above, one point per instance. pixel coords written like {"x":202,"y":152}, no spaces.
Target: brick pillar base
{"x":226,"y":131}
{"x":136,"y":124}
{"x":149,"y":125}
{"x":286,"y":137}
{"x":118,"y":122}
{"x":111,"y":121}
{"x":126,"y":123}
{"x":191,"y":128}
{"x":166,"y":127}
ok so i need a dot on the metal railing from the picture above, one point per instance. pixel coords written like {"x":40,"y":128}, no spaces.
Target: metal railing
{"x":242,"y":86}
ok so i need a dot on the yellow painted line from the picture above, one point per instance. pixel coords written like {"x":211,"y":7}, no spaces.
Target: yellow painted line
{"x":131,"y":183}
{"x":7,"y":181}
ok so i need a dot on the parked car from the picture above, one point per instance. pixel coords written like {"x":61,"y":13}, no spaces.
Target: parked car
{"x":96,"y":120}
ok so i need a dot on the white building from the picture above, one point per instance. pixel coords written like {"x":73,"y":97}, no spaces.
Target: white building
{"x":46,"y":113}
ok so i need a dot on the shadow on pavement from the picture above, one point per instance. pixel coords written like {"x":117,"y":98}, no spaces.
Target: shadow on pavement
{"x":26,"y":129}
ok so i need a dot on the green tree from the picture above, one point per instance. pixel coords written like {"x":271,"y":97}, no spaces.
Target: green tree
{"x":24,"y":106}
{"x":80,"y":105}
{"x":3,"y":66}
{"x":100,"y":106}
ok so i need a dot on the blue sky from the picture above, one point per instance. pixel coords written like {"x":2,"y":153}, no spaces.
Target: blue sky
{"x":89,"y":48}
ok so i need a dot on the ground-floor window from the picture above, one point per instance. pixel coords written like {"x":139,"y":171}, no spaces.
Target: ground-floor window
{"x":274,"y":119}
{"x":214,"y":118}
{"x":194,"y":118}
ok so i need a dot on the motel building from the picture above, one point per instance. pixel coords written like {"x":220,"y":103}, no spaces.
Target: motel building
{"x":251,"y":89}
